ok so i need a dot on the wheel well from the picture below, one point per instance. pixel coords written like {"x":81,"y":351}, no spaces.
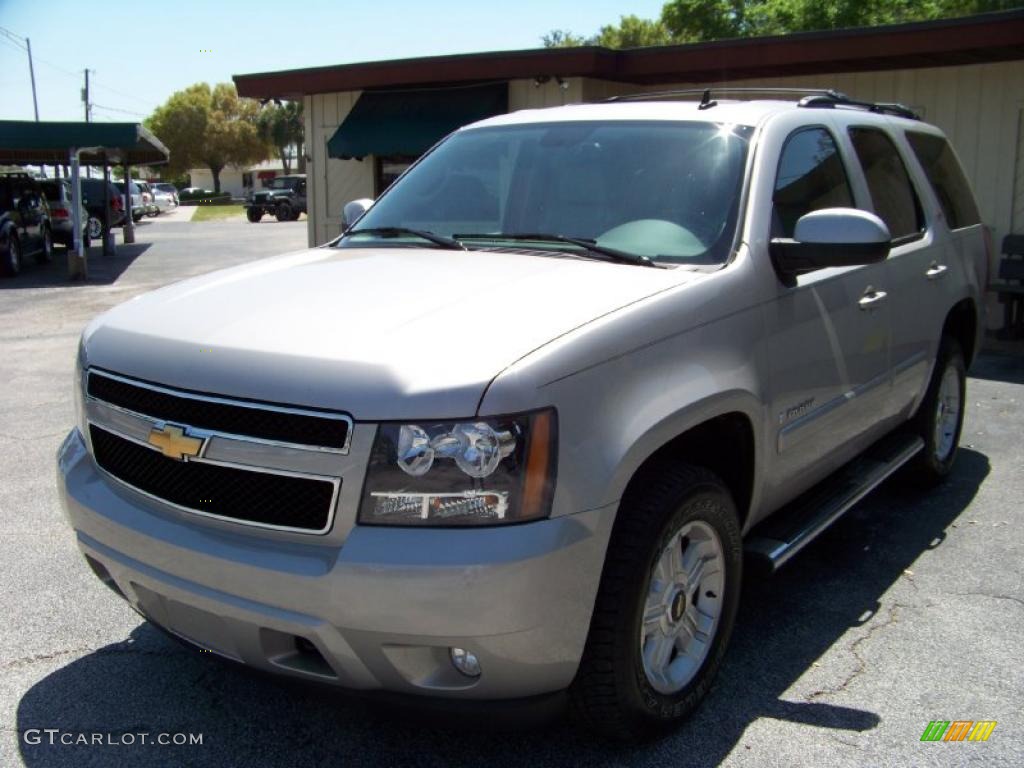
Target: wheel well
{"x":723,"y":445}
{"x":962,"y":324}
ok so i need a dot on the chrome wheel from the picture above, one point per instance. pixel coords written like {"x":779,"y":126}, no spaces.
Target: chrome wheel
{"x":947,"y":413}
{"x":95,"y":228}
{"x":684,"y":601}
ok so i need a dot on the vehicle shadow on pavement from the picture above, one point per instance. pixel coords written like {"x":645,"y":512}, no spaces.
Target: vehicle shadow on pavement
{"x":103,"y":270}
{"x":1003,"y":363}
{"x":150,"y":684}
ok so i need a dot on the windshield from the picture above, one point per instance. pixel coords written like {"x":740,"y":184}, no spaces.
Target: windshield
{"x":282,"y":183}
{"x":667,"y":191}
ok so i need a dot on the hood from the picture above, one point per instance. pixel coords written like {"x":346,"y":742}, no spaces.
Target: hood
{"x":378,"y":333}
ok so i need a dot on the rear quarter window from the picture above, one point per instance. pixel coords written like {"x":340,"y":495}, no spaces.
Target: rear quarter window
{"x":947,"y":179}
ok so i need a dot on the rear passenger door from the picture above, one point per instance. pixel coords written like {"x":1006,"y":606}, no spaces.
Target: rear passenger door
{"x":916,"y":260}
{"x":827,"y":335}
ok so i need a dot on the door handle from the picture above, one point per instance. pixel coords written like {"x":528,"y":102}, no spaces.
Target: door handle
{"x":935,"y":271}
{"x":871,"y":298}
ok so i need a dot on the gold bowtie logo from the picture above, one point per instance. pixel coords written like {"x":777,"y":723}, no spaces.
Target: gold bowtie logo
{"x":174,"y":443}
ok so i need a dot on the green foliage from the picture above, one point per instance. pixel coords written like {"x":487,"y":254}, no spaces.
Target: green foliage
{"x":210,"y":127}
{"x":633,"y":32}
{"x":282,"y":127}
{"x":684,"y":21}
{"x":562,"y":38}
{"x":195,"y":198}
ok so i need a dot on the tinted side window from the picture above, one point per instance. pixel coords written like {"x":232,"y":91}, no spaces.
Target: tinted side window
{"x":810,"y":177}
{"x":947,"y":179}
{"x":892,"y":193}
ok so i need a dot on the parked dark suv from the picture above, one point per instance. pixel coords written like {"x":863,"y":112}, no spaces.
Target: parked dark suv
{"x":93,"y":199}
{"x":24,"y":223}
{"x":284,"y":197}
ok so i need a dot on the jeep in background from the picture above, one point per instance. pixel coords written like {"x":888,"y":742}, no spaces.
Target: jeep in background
{"x":512,"y":432}
{"x":25,"y":228}
{"x":284,"y":197}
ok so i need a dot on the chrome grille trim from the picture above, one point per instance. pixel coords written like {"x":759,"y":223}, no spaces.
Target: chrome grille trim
{"x":251,"y":454}
{"x":235,"y":403}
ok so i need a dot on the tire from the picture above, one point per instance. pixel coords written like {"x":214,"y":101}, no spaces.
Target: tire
{"x":940,"y":418}
{"x":136,"y":218}
{"x":283,"y":212}
{"x":94,"y":228}
{"x":45,"y":256}
{"x":10,"y":264}
{"x":253,"y":215}
{"x":621,"y":691}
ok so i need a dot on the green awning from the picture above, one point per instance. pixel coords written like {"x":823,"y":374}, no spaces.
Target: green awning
{"x":26,"y":142}
{"x":409,"y":122}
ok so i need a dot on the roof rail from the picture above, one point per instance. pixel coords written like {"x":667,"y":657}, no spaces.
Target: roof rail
{"x":706,"y":93}
{"x":811,"y":97}
{"x":833,"y":100}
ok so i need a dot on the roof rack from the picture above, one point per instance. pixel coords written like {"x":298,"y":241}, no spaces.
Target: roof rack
{"x":705,"y":93}
{"x":833,"y":100}
{"x":811,"y":97}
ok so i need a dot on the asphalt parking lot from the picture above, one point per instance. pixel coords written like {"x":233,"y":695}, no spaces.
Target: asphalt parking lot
{"x":911,"y":609}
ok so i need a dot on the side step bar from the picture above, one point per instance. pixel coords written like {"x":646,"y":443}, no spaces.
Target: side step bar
{"x":796,"y":525}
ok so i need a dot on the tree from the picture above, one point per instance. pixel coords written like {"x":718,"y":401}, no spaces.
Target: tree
{"x":211,"y":127}
{"x":684,"y":21}
{"x":281,"y":125}
{"x":633,"y":32}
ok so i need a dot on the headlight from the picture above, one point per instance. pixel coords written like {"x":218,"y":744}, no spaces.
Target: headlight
{"x":79,"y":391}
{"x":480,"y":472}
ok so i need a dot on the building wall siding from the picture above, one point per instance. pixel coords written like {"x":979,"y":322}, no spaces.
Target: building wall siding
{"x":333,"y":182}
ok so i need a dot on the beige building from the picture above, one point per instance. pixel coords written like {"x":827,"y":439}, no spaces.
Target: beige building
{"x":239,"y":181}
{"x":365,"y":122}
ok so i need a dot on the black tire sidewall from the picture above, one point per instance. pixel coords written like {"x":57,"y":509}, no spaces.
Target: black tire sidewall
{"x":11,"y":265}
{"x":283,"y":212}
{"x":711,"y":504}
{"x":45,"y":255}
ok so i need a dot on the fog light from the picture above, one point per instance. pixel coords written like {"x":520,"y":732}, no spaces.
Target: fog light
{"x":466,"y":662}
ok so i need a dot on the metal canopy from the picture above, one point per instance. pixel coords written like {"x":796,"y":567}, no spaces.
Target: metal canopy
{"x":409,"y":122}
{"x":26,"y":142}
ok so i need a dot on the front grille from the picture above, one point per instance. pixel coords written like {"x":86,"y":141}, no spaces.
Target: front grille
{"x":194,"y":410}
{"x":237,"y":494}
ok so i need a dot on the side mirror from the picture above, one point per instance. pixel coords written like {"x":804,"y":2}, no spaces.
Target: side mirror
{"x":353,"y":210}
{"x":831,"y":237}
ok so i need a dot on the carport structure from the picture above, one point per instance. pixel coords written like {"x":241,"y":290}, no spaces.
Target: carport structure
{"x":24,"y":142}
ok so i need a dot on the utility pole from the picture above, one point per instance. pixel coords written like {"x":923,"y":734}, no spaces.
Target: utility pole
{"x":85,"y":96}
{"x":88,"y":110}
{"x":32,"y":74}
{"x":24,"y":42}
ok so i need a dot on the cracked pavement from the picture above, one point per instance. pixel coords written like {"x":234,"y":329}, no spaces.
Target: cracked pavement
{"x":910,"y":609}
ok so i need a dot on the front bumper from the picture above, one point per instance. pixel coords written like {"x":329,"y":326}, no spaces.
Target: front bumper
{"x":380,"y":611}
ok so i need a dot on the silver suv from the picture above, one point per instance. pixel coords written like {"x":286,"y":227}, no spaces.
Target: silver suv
{"x":512,"y":432}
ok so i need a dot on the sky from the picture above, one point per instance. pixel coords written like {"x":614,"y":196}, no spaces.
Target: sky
{"x":139,"y":53}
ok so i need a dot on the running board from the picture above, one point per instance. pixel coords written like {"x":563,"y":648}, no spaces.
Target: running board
{"x":796,"y":525}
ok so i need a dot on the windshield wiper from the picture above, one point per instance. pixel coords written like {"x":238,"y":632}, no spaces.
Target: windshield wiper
{"x":587,"y":243}
{"x":441,"y":240}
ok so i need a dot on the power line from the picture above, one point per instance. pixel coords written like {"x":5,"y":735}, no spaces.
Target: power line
{"x":115,"y":109}
{"x":16,"y":39}
{"x":122,"y":94}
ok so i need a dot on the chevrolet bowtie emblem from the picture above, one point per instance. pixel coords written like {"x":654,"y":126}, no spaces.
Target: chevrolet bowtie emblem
{"x":174,"y":443}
